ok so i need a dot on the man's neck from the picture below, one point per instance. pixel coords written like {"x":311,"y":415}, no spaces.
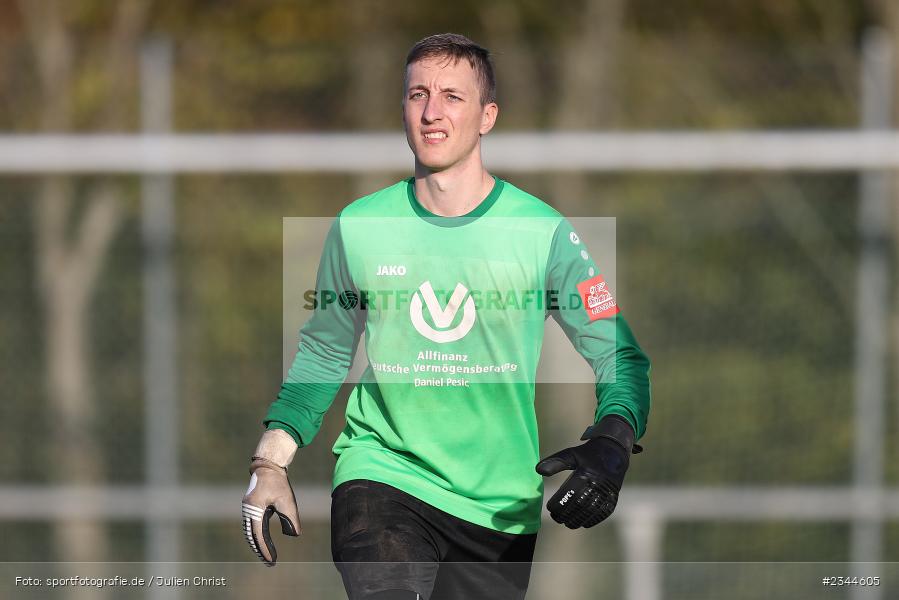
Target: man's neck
{"x":454,"y":192}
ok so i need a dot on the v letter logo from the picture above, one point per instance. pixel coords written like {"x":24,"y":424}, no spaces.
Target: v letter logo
{"x":442,"y":317}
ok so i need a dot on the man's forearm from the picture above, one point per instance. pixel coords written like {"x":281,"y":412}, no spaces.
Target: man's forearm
{"x":301,"y":407}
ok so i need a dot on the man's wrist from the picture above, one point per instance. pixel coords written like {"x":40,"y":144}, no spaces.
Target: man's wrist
{"x":276,"y":446}
{"x":616,"y":428}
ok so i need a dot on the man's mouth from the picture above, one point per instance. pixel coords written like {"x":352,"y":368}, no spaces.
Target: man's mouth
{"x":434,"y":137}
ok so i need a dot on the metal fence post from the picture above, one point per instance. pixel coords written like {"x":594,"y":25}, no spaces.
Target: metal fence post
{"x":161,"y":439}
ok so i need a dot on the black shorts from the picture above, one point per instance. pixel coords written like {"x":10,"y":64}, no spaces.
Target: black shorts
{"x":384,"y":539}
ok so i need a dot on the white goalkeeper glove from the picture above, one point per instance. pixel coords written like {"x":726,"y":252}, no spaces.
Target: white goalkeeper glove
{"x":270,"y":493}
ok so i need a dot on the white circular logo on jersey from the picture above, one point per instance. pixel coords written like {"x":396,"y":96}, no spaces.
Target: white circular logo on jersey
{"x":574,"y":238}
{"x":442,"y":317}
{"x":584,"y":254}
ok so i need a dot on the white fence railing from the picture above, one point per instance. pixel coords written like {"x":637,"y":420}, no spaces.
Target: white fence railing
{"x":505,"y":152}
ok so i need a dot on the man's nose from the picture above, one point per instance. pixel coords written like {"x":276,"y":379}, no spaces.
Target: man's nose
{"x":432,"y":110}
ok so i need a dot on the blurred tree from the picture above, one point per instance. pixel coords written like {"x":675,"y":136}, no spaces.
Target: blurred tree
{"x":585,"y":100}
{"x":507,"y":36}
{"x":376,"y":58}
{"x":887,"y":12}
{"x":71,"y":246}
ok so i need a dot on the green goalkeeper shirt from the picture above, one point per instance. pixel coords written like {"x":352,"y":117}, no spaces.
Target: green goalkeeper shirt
{"x":453,"y":312}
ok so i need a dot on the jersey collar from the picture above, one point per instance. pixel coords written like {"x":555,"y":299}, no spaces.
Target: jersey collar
{"x":460,"y":220}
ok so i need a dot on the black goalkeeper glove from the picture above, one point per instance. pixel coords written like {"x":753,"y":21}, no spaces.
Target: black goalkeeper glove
{"x":590,"y":494}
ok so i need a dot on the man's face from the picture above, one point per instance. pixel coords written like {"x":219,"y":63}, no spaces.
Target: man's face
{"x":442,"y":112}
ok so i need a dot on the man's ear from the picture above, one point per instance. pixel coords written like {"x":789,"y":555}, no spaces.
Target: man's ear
{"x":488,"y":117}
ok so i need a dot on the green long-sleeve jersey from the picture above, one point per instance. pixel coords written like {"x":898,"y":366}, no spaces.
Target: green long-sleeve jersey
{"x":453,"y":312}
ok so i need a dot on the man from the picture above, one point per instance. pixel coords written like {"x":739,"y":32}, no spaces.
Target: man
{"x":451,"y":275}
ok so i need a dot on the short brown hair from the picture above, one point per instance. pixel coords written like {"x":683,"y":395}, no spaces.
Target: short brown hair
{"x":454,"y":47}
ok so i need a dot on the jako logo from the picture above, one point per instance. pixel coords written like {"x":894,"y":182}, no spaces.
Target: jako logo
{"x":391,"y":269}
{"x":565,"y":498}
{"x":442,"y":317}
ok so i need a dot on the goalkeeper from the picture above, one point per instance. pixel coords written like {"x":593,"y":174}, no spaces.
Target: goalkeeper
{"x":437,"y":490}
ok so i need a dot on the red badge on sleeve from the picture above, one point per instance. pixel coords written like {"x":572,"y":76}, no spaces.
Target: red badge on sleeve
{"x":598,"y":300}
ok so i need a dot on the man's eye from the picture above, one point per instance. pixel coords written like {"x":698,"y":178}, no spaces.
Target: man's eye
{"x":417,"y":95}
{"x":454,"y":98}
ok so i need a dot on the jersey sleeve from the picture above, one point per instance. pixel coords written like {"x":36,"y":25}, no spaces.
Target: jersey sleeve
{"x":327,"y":343}
{"x":590,"y":317}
